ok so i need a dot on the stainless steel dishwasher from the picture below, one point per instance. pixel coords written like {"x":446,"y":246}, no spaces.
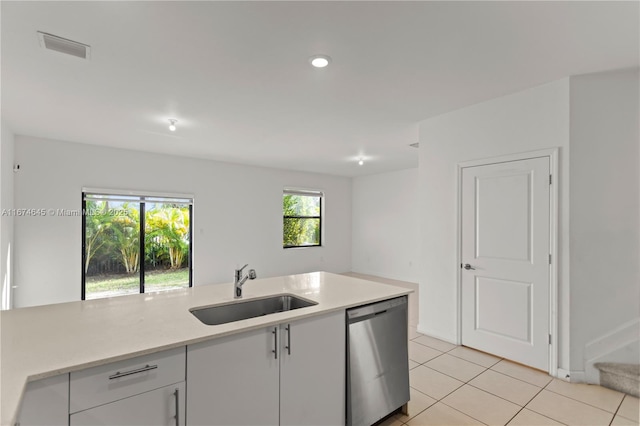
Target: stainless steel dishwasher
{"x":377,"y":361}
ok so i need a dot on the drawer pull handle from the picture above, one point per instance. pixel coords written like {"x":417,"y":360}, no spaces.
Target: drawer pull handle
{"x":177,"y":395}
{"x":136,"y":371}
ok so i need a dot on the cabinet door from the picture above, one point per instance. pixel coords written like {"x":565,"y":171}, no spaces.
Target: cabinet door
{"x":312,"y":371}
{"x":154,"y":408}
{"x":234,"y":380}
{"x":46,"y":402}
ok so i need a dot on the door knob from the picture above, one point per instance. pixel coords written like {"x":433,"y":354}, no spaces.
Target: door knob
{"x":468,"y":267}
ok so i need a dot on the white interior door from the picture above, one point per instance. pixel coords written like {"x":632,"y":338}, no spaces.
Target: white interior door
{"x":505,"y":260}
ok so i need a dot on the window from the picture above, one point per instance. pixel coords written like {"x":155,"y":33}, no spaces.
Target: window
{"x":302,"y":211}
{"x":135,"y":243}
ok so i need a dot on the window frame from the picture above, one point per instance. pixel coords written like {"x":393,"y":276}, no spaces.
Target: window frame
{"x":143,"y":198}
{"x":306,"y":193}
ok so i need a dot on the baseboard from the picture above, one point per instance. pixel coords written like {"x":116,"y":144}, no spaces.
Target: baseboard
{"x":564,"y":375}
{"x":436,"y":335}
{"x":571,"y":376}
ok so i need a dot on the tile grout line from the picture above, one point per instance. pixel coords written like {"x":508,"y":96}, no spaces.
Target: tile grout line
{"x":442,"y":400}
{"x":502,"y":398}
{"x":417,"y":414}
{"x":422,"y":411}
{"x":484,"y":371}
{"x":446,"y":395}
{"x":618,"y":409}
{"x":431,"y":347}
{"x":454,"y":408}
{"x":463,"y":359}
{"x":484,"y":366}
{"x":515,"y":415}
{"x":528,"y":402}
{"x":519,"y":379}
{"x":582,"y":402}
{"x":455,"y":378}
{"x":445,"y":374}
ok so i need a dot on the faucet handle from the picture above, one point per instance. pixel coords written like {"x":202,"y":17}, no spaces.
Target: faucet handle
{"x":240,"y":269}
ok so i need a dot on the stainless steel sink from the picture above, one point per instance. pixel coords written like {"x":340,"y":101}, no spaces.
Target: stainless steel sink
{"x":236,"y":311}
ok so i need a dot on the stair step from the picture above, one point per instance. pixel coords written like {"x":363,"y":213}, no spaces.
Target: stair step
{"x":621,"y":377}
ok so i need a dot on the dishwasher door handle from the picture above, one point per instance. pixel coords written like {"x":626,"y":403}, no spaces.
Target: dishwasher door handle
{"x":370,"y":315}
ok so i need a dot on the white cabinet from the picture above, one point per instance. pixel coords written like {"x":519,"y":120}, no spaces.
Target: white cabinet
{"x":290,"y":374}
{"x":312,"y":371}
{"x":159,"y":407}
{"x":146,"y":390}
{"x":234,"y":380}
{"x":45,"y":402}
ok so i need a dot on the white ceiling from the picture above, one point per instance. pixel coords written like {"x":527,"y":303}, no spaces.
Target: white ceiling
{"x":236,"y":76}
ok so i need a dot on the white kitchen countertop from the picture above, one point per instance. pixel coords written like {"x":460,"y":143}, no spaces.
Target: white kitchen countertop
{"x":48,"y":340}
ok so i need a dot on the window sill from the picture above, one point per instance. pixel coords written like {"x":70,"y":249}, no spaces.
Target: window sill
{"x":302,"y":247}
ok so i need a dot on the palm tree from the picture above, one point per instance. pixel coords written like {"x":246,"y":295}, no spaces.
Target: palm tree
{"x":169,"y":227}
{"x":126,"y":233}
{"x":97,"y":223}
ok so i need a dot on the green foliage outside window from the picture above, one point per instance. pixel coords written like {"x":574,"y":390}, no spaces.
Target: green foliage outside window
{"x":302,"y":220}
{"x":115,"y":237}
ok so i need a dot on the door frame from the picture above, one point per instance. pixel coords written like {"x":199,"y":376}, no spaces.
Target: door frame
{"x":552,"y":154}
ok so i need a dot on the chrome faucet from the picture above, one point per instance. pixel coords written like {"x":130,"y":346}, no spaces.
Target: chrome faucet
{"x":239,"y":280}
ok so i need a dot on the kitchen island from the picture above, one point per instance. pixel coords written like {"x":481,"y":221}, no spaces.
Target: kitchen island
{"x":46,"y":341}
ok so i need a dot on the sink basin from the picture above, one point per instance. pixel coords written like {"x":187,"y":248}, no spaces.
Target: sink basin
{"x":236,"y":311}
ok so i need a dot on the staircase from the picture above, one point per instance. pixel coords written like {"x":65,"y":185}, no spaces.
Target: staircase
{"x":621,"y":377}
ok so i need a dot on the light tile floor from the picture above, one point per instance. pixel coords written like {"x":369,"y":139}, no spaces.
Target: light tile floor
{"x":455,"y":385}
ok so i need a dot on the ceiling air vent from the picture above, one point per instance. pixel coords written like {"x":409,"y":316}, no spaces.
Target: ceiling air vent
{"x":63,"y":45}
{"x":415,"y":145}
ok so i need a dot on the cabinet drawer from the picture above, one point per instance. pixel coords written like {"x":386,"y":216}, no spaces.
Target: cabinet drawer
{"x":155,"y":408}
{"x":106,"y":383}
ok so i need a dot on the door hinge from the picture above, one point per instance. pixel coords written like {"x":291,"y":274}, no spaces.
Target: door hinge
{"x":550,"y":179}
{"x":549,"y":259}
{"x":549,"y":339}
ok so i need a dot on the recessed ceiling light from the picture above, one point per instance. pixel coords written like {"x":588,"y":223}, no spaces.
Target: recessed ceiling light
{"x":320,"y":61}
{"x":172,"y":124}
{"x":361,"y":162}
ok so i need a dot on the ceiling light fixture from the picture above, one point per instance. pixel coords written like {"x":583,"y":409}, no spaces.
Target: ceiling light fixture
{"x":361,"y":162}
{"x":320,"y":61}
{"x":172,"y":124}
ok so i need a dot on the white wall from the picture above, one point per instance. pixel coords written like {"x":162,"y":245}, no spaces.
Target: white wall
{"x":534,"y":119}
{"x":385,"y":225}
{"x":6,"y":221}
{"x":605,"y":207}
{"x":237,"y":214}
